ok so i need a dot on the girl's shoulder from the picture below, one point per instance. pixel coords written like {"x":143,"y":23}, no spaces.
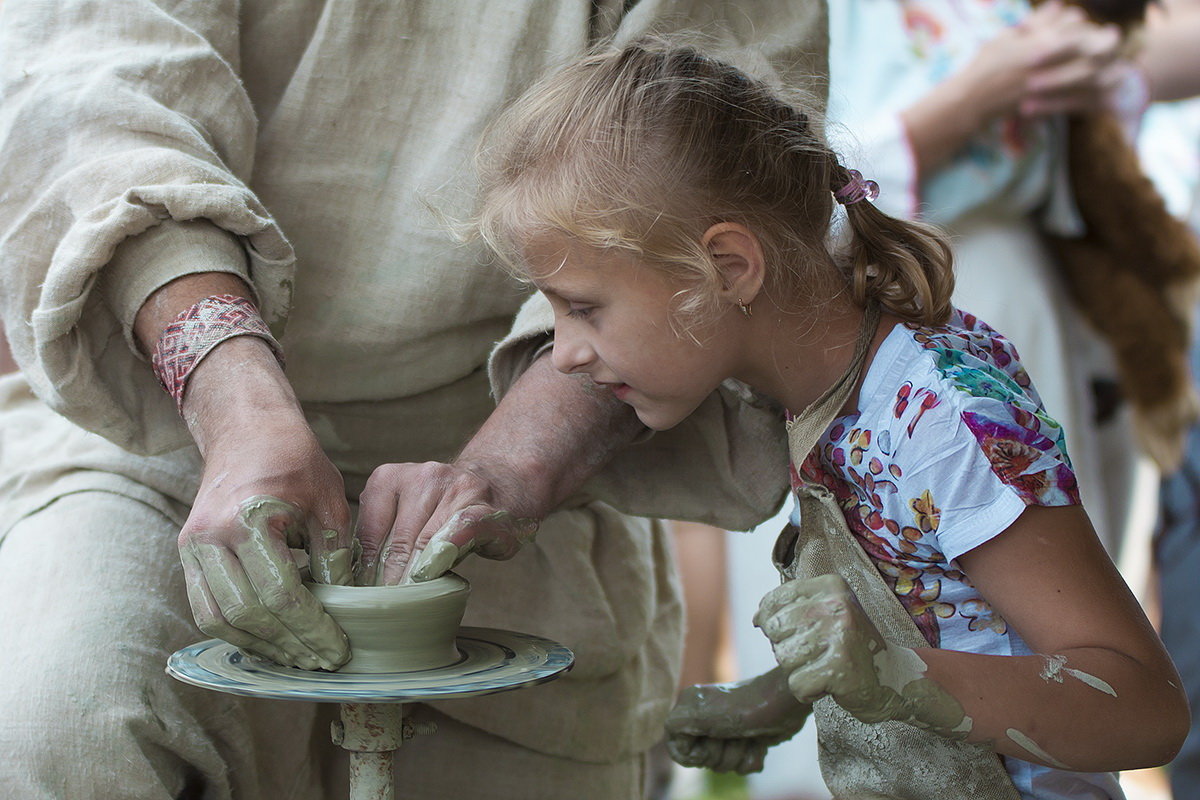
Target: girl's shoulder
{"x":974,"y":358}
{"x":956,"y":398}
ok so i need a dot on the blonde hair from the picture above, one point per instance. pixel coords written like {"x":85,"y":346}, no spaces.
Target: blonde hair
{"x":643,"y":148}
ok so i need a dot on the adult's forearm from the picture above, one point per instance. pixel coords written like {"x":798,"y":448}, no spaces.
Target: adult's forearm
{"x":548,"y":435}
{"x":239,"y":384}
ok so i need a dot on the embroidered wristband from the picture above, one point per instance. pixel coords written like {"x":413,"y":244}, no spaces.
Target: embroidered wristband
{"x":195,"y":332}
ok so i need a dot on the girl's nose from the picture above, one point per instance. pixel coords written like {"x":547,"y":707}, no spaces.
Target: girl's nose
{"x":571,"y":354}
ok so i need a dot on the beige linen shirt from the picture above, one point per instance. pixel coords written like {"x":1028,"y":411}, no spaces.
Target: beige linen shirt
{"x":301,"y":144}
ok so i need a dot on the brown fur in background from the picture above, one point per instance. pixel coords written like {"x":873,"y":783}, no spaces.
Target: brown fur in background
{"x":1134,"y":273}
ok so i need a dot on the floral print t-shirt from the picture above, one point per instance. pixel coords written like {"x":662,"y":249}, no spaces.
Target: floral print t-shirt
{"x":949,"y":445}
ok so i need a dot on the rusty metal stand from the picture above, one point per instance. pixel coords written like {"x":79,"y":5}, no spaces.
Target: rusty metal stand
{"x":372,"y":725}
{"x":371,"y":732}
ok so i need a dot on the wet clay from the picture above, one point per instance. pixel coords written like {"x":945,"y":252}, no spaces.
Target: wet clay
{"x":1056,"y":667}
{"x":499,"y":535}
{"x":825,"y":641}
{"x":328,"y":563}
{"x":1032,"y":747}
{"x":401,"y":628}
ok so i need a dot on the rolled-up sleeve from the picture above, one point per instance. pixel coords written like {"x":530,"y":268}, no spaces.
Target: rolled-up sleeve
{"x":122,"y":119}
{"x":726,"y":464}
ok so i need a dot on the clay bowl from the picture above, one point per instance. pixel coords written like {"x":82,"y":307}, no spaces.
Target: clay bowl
{"x":402,"y":628}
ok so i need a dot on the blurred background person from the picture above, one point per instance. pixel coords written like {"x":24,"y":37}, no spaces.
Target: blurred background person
{"x":958,"y":111}
{"x":1169,"y":143}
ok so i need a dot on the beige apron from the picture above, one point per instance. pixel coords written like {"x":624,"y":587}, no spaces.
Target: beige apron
{"x":889,"y":760}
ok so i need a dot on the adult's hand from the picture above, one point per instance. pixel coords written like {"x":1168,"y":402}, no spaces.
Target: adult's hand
{"x":439,"y":513}
{"x":267,"y":487}
{"x":728,"y":727}
{"x":546,"y":437}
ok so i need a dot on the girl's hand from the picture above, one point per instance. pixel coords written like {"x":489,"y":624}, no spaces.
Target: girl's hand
{"x":419,"y":520}
{"x":728,"y":727}
{"x":267,"y":486}
{"x":827,"y":645}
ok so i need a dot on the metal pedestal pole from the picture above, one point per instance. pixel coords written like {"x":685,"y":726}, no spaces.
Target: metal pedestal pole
{"x":372,"y":725}
{"x":371,"y":732}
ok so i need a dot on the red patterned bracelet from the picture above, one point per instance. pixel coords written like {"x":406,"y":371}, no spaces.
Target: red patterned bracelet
{"x":195,"y":332}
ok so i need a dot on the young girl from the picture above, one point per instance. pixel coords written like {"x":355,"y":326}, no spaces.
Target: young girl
{"x":677,"y":215}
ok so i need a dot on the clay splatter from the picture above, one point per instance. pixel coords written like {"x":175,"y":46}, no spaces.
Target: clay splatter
{"x":1056,"y":666}
{"x":1032,"y":747}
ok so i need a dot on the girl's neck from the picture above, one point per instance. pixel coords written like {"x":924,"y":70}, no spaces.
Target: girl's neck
{"x":797,"y":356}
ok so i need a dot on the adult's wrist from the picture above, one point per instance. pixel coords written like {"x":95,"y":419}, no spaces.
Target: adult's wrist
{"x":549,"y":434}
{"x":239,"y":391}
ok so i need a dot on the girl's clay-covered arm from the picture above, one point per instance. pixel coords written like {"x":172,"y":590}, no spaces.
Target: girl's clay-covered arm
{"x":266,"y":486}
{"x":1101,"y":694}
{"x":1054,"y":61}
{"x":548,"y":434}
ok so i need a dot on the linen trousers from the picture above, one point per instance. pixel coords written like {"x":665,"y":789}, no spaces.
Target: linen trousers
{"x":92,"y":602}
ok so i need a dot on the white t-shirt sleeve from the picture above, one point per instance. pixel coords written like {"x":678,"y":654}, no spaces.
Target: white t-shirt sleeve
{"x":982,"y":467}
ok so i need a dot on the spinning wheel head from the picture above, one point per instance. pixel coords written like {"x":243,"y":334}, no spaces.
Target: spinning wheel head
{"x":489,"y":661}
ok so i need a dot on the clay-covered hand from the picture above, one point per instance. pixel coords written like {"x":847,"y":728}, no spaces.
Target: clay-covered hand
{"x":259,"y":497}
{"x":728,"y":727}
{"x":827,"y":645}
{"x":417,"y":521}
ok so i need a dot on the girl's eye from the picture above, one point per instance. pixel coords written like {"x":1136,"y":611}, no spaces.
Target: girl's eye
{"x":579,"y":312}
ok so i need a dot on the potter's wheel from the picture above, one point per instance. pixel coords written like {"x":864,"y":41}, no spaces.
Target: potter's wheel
{"x":490,"y":661}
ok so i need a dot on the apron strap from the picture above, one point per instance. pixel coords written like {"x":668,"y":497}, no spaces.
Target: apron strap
{"x":805,"y":429}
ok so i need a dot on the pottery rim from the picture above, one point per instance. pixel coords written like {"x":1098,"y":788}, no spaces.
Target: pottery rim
{"x":400,"y":628}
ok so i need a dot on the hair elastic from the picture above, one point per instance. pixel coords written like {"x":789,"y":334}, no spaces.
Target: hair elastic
{"x":857,"y":188}
{"x":194,"y":333}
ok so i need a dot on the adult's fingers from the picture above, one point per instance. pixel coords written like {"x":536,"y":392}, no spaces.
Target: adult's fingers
{"x":331,"y":552}
{"x":730,"y":756}
{"x":376,"y":515}
{"x":680,"y":747}
{"x":211,"y":621}
{"x":277,"y":586}
{"x":323,"y":532}
{"x":480,"y":528}
{"x":239,"y":614}
{"x":396,"y":506}
{"x":453,"y":541}
{"x":687,"y":717}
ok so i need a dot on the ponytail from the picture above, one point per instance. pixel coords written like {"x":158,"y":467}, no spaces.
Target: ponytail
{"x":906,"y":266}
{"x":642,"y":147}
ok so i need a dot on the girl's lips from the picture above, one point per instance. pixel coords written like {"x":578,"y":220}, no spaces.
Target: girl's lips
{"x":619,"y":390}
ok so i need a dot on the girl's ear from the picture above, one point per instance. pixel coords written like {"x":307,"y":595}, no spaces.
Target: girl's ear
{"x":738,"y":255}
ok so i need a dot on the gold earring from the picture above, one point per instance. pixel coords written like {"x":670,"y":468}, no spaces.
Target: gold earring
{"x":745,"y":308}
